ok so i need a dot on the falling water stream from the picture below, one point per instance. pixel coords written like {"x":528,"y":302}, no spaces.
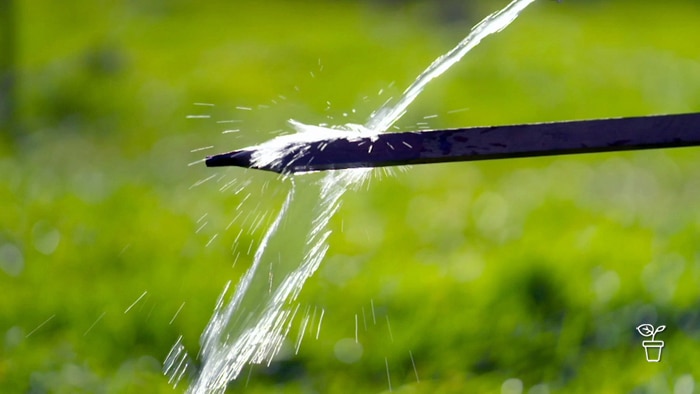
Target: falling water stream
{"x":250,"y":323}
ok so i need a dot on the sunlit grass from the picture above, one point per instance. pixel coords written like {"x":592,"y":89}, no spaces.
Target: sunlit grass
{"x":533,"y":269}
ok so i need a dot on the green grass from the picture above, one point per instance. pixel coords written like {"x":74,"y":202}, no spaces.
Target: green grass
{"x":529,"y":269}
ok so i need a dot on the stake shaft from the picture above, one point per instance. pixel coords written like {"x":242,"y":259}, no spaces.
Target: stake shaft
{"x":481,"y":143}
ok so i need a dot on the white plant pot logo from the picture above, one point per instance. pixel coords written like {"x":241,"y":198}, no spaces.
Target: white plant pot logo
{"x":652,"y":348}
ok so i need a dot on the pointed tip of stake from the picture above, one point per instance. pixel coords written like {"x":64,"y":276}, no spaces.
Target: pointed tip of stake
{"x":241,"y":158}
{"x":237,"y":158}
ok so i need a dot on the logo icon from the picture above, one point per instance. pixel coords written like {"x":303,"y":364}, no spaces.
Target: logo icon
{"x":653,"y":347}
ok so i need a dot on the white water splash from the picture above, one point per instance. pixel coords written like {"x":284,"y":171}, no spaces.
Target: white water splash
{"x":386,"y":116}
{"x":270,"y":153}
{"x":252,"y":325}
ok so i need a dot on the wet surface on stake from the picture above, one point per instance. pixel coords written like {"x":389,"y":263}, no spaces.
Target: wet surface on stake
{"x":480,"y":143}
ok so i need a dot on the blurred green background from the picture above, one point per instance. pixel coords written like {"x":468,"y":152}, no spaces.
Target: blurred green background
{"x":511,"y":276}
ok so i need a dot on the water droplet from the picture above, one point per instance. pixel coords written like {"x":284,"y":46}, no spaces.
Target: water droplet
{"x":512,"y":386}
{"x":605,"y":285}
{"x":11,"y":259}
{"x":347,"y":350}
{"x":684,"y":385}
{"x":45,"y":237}
{"x":13,"y":337}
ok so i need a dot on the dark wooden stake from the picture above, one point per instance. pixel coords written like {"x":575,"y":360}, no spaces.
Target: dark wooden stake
{"x":480,"y":143}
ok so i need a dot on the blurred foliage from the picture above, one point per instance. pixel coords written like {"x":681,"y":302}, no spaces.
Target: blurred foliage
{"x":525,"y":275}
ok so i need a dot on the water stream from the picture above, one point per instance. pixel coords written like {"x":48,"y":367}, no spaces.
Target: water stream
{"x":249,"y":325}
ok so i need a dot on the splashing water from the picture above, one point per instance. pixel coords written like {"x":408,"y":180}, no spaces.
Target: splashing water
{"x":386,"y":116}
{"x":252,"y":325}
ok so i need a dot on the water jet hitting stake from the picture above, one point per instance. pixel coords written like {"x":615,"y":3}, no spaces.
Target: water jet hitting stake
{"x":470,"y":144}
{"x":249,"y":325}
